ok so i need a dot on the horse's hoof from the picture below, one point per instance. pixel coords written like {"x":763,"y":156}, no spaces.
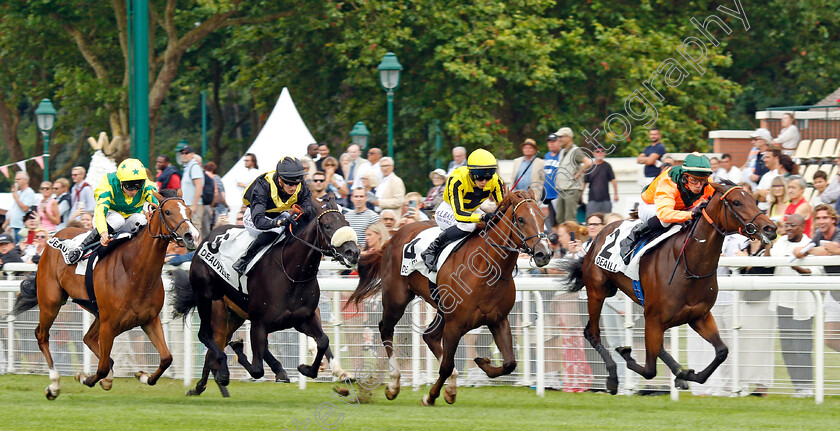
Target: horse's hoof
{"x":308,"y":371}
{"x":681,"y":384}
{"x":222,"y":379}
{"x":281,"y":378}
{"x":391,"y":394}
{"x":346,"y":377}
{"x":481,"y":362}
{"x":449,"y":396}
{"x":427,"y":401}
{"x":623,"y":350}
{"x":612,"y":386}
{"x":106,"y":384}
{"x":193,"y":392}
{"x":51,"y":396}
{"x":237,"y":345}
{"x":143,"y":378}
{"x":685,"y":374}
{"x":80,"y":376}
{"x":224,"y":391}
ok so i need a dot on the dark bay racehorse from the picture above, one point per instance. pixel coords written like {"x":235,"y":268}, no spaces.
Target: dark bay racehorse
{"x":475,"y":288}
{"x":688,"y":298}
{"x":283,"y":291}
{"x":128,"y":288}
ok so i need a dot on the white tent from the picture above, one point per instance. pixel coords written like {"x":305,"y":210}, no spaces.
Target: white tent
{"x":284,"y":134}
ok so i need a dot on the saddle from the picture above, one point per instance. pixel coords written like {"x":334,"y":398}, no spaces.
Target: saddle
{"x":88,"y":262}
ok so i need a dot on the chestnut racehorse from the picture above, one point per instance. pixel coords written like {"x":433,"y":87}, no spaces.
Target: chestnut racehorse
{"x":127,"y":285}
{"x":687,"y":298}
{"x":481,"y":269}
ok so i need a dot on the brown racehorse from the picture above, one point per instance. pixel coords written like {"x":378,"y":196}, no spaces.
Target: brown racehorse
{"x":128,"y":288}
{"x":481,"y":269}
{"x":688,"y":298}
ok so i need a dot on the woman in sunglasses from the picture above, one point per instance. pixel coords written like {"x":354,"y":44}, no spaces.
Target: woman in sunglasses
{"x":672,"y":197}
{"x":272,"y":200}
{"x":119,"y":206}
{"x":466,"y":189}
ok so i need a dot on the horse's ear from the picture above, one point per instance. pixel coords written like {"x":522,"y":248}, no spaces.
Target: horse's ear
{"x":180,"y":193}
{"x":158,"y":196}
{"x":332,"y":201}
{"x":721,"y":188}
{"x":532,"y":193}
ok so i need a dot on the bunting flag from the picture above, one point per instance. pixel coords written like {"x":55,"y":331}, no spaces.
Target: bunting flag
{"x":5,"y":170}
{"x":22,"y":165}
{"x":40,"y":161}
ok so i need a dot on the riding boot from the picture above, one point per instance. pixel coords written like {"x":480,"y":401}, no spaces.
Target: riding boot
{"x":628,"y":244}
{"x":430,"y":255}
{"x":262,"y":240}
{"x":74,"y":254}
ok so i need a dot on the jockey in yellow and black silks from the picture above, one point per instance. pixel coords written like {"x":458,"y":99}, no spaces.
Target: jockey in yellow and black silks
{"x":466,"y":189}
{"x":272,"y":200}
{"x":119,"y":206}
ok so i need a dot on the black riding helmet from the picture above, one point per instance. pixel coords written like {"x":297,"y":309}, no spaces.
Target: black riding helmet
{"x":290,"y":170}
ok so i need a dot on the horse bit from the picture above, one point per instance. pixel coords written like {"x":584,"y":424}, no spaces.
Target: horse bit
{"x":524,"y":248}
{"x":173,"y":234}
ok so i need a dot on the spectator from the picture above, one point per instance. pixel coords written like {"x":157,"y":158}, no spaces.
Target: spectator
{"x":309,"y":159}
{"x":323,"y":153}
{"x":435,"y":194}
{"x":795,"y":311}
{"x":789,"y":135}
{"x":357,"y":166}
{"x":360,"y":217}
{"x":61,"y":187}
{"x":667,"y":162}
{"x":335,"y":182}
{"x":391,"y":191}
{"x":369,"y":184}
{"x":167,"y":176}
{"x":344,"y":163}
{"x":820,"y":183}
{"x":244,"y":179}
{"x":240,"y":218}
{"x":825,"y":218}
{"x":832,"y":190}
{"x":176,"y":254}
{"x":32,"y":253}
{"x":459,"y":158}
{"x":412,"y":210}
{"x":530,"y":175}
{"x":192,"y":185}
{"x":760,"y":191}
{"x":376,"y":235}
{"x":388,"y":218}
{"x":48,"y":208}
{"x":24,"y":198}
{"x":31,"y":222}
{"x":81,"y":195}
{"x":572,"y":163}
{"x":754,"y":167}
{"x":8,"y":252}
{"x":651,"y":155}
{"x":727,"y":171}
{"x":552,"y":160}
{"x":758,"y":329}
{"x":715,"y":162}
{"x":797,"y":204}
{"x":318,"y":186}
{"x":599,"y":177}
{"x":778,"y":200}
{"x":787,"y":166}
{"x":374,"y":155}
{"x":219,"y":205}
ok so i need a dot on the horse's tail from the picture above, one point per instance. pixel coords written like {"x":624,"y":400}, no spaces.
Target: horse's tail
{"x":573,"y":267}
{"x":369,"y":279}
{"x":28,"y":297}
{"x":182,"y":296}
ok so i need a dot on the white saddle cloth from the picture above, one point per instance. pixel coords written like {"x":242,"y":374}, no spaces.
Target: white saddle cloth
{"x":224,"y":250}
{"x":609,"y":256}
{"x":411,"y":260}
{"x":63,"y":244}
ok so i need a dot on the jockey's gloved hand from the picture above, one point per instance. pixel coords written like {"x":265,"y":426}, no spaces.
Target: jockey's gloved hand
{"x":486,"y":217}
{"x":697,"y":211}
{"x":285,"y":218}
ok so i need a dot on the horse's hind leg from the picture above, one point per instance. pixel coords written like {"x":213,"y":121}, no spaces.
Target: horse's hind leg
{"x":393,"y":307}
{"x":312,"y":328}
{"x":154,"y":330}
{"x":675,"y":368}
{"x":654,"y":333}
{"x":46,"y":316}
{"x":206,"y":336}
{"x":335,"y":367}
{"x":592,"y":332}
{"x":707,"y":328}
{"x":504,"y":341}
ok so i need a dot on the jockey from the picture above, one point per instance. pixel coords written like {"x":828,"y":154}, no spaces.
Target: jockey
{"x":273,"y":199}
{"x":677,"y":195}
{"x":119,"y":206}
{"x":466,"y":189}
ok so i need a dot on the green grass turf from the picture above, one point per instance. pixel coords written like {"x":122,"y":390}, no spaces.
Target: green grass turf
{"x":269,"y":406}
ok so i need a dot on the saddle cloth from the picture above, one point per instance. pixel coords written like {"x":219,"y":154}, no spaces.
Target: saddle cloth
{"x":225,"y":249}
{"x":82,"y":265}
{"x":411,"y":260}
{"x":609,"y":256}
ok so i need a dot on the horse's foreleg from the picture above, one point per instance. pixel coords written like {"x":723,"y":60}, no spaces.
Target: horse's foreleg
{"x":106,"y":342}
{"x":707,"y":328}
{"x":675,"y":368}
{"x":504,"y":341}
{"x":654,"y":333}
{"x":154,"y":330}
{"x":592,"y":332}
{"x":46,"y":317}
{"x":201,"y":385}
{"x":451,"y":338}
{"x":312,"y":328}
{"x":280,"y":374}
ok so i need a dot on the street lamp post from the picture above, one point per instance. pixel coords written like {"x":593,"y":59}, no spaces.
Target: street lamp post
{"x":45,"y":117}
{"x":360,"y":134}
{"x":389,"y":77}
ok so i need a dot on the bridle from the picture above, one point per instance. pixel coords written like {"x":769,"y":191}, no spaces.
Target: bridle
{"x":172,"y":233}
{"x":330,"y":251}
{"x":524,"y":248}
{"x":746,"y":228}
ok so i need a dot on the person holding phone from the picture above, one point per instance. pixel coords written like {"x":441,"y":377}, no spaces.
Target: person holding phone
{"x":412,"y":210}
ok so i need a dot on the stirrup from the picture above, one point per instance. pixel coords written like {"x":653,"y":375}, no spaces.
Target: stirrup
{"x":240,"y":266}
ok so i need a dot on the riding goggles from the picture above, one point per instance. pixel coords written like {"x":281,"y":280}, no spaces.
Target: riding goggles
{"x":482,"y":174}
{"x":291,"y":181}
{"x":132,"y":185}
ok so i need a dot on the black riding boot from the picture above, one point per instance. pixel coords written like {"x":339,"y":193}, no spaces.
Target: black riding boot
{"x":626,"y":245}
{"x":73,"y":255}
{"x":262,"y":240}
{"x":430,"y":255}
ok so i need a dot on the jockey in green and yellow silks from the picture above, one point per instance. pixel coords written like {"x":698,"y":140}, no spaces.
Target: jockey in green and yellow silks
{"x":119,"y":206}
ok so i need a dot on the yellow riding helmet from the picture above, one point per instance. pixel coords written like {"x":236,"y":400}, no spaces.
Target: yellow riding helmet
{"x":481,"y":159}
{"x":131,"y":170}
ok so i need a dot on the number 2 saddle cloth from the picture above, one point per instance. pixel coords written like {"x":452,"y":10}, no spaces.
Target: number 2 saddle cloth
{"x":609,"y":256}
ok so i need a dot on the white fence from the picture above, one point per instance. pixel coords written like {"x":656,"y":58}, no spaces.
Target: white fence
{"x":547,"y":325}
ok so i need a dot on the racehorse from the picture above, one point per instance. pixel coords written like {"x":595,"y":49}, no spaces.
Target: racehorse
{"x":481,"y":268}
{"x":283,"y":293}
{"x":671,"y":301}
{"x":127,"y":285}
{"x":228,"y":319}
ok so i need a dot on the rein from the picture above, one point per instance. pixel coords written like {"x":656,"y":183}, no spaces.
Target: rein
{"x":524,"y":248}
{"x":327,"y":252}
{"x":172,"y":233}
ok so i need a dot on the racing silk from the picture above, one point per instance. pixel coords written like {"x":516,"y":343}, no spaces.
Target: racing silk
{"x":671,"y":203}
{"x":465,"y":197}
{"x":264,"y":197}
{"x":110,"y":197}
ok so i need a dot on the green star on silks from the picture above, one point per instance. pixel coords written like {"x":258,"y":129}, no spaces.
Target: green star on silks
{"x":136,"y":172}
{"x":123,"y":166}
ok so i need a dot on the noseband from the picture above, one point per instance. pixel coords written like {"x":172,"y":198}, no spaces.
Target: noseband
{"x":524,"y":248}
{"x":746,"y":229}
{"x":171,"y":233}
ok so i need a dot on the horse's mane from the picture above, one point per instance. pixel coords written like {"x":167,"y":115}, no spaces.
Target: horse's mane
{"x":169,"y":193}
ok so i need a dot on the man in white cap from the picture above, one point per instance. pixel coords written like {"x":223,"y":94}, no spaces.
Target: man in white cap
{"x":572,"y":163}
{"x":754,"y":169}
{"x":651,"y":155}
